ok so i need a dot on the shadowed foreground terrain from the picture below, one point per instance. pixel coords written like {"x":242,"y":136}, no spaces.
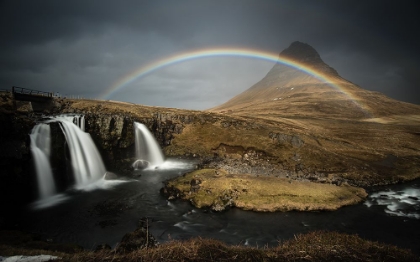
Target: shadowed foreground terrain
{"x":314,"y":246}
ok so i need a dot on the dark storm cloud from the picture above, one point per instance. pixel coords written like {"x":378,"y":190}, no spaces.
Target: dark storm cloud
{"x":378,"y":39}
{"x":84,"y":47}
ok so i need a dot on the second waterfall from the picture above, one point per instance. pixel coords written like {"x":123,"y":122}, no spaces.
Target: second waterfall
{"x":148,"y":152}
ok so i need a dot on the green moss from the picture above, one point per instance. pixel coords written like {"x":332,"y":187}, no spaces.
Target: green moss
{"x":216,"y":188}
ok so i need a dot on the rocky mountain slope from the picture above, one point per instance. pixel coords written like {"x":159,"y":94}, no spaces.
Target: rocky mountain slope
{"x":288,"y":92}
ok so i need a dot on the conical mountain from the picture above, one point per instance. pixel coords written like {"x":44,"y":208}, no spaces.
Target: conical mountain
{"x":310,"y":88}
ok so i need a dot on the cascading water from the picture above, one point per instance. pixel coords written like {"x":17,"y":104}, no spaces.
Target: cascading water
{"x":78,"y":121}
{"x":148,"y":152}
{"x":40,"y":148}
{"x":86,"y":162}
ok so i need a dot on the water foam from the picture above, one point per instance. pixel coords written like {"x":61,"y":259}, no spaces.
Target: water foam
{"x":403,"y":203}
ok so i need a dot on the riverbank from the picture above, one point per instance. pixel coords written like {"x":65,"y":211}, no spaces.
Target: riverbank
{"x":313,"y":246}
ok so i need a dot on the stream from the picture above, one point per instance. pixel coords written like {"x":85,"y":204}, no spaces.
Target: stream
{"x":106,"y":211}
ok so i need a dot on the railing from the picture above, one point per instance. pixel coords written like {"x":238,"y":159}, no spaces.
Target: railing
{"x":26,"y":91}
{"x":16,"y":90}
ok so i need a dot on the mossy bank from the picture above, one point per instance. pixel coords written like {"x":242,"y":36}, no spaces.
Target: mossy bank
{"x":217,"y":190}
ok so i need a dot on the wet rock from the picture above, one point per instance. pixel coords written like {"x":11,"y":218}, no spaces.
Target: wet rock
{"x":138,"y":239}
{"x":170,"y":192}
{"x":140,"y":164}
{"x":218,"y":207}
{"x":195,"y":185}
{"x":110,"y":176}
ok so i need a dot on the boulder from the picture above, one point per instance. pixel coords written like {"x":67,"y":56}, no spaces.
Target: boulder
{"x":138,"y":239}
{"x":140,"y":164}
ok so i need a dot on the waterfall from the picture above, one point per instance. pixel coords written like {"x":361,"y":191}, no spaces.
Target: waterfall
{"x":78,"y":120}
{"x":40,"y":148}
{"x":148,"y":152}
{"x":86,"y":162}
{"x":82,"y":123}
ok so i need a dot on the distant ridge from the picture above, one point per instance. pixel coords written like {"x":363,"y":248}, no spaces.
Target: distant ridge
{"x":287,"y":91}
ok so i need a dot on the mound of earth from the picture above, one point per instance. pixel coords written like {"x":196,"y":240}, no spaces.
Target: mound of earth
{"x":218,"y":190}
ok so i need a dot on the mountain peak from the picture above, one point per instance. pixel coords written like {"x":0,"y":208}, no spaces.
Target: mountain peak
{"x":303,"y":53}
{"x":301,"y":85}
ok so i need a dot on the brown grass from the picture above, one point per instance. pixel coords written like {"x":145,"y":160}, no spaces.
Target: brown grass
{"x":313,"y":246}
{"x":332,"y":246}
{"x":204,"y":138}
{"x":262,"y":193}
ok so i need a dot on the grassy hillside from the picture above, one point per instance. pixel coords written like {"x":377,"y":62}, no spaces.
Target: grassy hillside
{"x":359,"y":151}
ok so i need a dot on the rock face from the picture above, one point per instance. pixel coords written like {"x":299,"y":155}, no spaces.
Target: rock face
{"x":303,"y":53}
{"x":15,"y":157}
{"x":114,"y":135}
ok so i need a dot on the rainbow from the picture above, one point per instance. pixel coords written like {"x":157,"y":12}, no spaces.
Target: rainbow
{"x":142,"y":71}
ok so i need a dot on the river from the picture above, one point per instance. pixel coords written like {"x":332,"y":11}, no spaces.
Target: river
{"x":105,"y":212}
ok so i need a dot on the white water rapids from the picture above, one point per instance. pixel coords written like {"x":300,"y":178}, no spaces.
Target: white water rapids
{"x":404,"y":202}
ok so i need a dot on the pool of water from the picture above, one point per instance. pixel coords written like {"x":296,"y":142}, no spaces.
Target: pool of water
{"x":110,"y":209}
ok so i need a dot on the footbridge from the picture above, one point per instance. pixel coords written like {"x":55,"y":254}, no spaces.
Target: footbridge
{"x":25,"y":94}
{"x":32,"y":100}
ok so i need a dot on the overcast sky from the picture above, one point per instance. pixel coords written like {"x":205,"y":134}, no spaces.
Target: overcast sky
{"x":82,"y":48}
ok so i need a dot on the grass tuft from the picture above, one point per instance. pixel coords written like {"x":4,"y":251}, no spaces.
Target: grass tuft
{"x":313,"y":246}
